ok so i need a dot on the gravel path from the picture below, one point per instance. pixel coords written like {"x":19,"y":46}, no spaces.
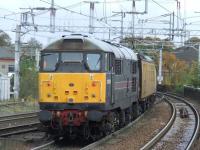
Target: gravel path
{"x":149,"y":125}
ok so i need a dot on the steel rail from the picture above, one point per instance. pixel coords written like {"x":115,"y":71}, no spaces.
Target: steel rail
{"x":19,"y":129}
{"x":195,"y":133}
{"x":18,"y":118}
{"x":156,"y":138}
{"x":16,"y":124}
{"x":130,"y":125}
{"x":44,"y":145}
{"x":15,"y":116}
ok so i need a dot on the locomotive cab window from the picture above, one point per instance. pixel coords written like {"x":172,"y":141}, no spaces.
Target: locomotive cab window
{"x":93,"y":62}
{"x":49,"y":61}
{"x":71,"y":57}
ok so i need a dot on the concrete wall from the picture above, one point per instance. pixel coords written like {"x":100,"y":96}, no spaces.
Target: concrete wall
{"x":191,"y":92}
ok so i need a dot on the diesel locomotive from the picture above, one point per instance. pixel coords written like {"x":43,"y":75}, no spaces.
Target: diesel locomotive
{"x":90,"y":88}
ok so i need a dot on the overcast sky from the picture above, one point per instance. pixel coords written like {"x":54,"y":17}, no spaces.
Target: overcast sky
{"x":9,"y":16}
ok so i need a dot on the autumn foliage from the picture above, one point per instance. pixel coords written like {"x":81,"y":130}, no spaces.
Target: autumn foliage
{"x":177,"y":72}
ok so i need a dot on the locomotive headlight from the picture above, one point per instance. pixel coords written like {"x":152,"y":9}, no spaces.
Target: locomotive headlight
{"x":93,"y":84}
{"x":85,"y":113}
{"x":58,"y":114}
{"x":48,"y":95}
{"x":93,"y":95}
{"x":70,"y":100}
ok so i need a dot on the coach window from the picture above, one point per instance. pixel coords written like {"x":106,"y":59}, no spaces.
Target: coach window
{"x":118,"y":67}
{"x":94,"y":62}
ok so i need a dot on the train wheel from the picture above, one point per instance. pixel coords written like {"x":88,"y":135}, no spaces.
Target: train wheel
{"x":143,"y":106}
{"x":152,"y":100}
{"x":148,"y":103}
{"x":86,"y":132}
{"x":117,"y":120}
{"x":106,"y":128}
{"x":135,"y":110}
{"x":113,"y":121}
{"x":122,"y":118}
{"x":128,"y":115}
{"x":95,"y":133}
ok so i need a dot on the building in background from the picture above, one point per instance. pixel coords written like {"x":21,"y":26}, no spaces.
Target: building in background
{"x":5,"y":87}
{"x":187,"y":53}
{"x":7,"y":60}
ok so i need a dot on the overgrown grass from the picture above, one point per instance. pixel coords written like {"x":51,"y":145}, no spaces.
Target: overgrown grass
{"x":16,"y":107}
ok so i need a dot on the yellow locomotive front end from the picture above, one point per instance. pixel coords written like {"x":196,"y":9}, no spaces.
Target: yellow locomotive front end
{"x":71,"y":85}
{"x":72,"y":88}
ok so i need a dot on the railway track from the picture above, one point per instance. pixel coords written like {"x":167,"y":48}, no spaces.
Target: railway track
{"x":49,"y":145}
{"x":11,"y":104}
{"x":182,"y":129}
{"x":52,"y":144}
{"x":170,"y":137}
{"x":19,"y":123}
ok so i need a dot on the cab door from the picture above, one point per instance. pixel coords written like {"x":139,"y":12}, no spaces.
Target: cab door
{"x":112,"y":70}
{"x":109,"y":68}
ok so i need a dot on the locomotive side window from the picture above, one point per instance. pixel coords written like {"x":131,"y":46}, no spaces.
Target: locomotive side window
{"x":93,"y":61}
{"x":49,"y":61}
{"x":118,"y":67}
{"x":134,"y":67}
{"x":133,"y":84}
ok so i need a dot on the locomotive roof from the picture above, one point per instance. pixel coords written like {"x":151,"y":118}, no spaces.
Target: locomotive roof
{"x":85,"y":43}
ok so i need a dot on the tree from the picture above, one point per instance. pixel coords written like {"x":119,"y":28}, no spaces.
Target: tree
{"x":28,"y":78}
{"x":192,"y":41}
{"x":178,"y":73}
{"x":33,"y":43}
{"x":28,"y":72}
{"x":175,"y":71}
{"x":30,"y":48}
{"x":194,"y":73}
{"x":5,"y":39}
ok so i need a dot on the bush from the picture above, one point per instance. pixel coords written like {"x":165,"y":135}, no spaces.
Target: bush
{"x":28,"y":78}
{"x":194,"y":79}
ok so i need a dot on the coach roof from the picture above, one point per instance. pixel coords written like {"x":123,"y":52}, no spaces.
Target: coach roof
{"x":85,"y":43}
